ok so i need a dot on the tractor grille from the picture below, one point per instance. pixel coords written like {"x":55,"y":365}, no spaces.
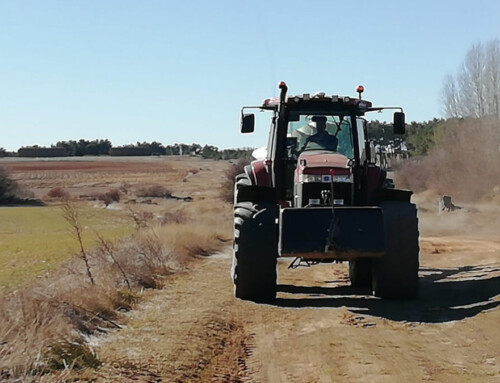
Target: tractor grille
{"x":342,"y":191}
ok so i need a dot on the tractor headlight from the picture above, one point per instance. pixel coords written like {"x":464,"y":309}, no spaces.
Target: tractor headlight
{"x":307,"y":178}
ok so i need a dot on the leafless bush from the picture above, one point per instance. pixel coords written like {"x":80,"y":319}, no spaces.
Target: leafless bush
{"x":154,"y":191}
{"x":141,"y":219}
{"x":463,"y":163}
{"x":58,"y":193}
{"x":70,"y":214}
{"x":110,"y":196}
{"x":107,"y":248}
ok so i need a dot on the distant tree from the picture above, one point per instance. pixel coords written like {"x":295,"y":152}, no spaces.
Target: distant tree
{"x":209,"y":151}
{"x":195,"y":149}
{"x":380,"y":131}
{"x":475,"y":90}
{"x":172,"y":150}
{"x":420,"y":136}
{"x":84,"y":147}
{"x":241,"y":153}
{"x":3,"y":152}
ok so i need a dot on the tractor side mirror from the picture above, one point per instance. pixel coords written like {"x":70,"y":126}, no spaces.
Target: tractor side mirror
{"x":399,"y":123}
{"x":247,"y":123}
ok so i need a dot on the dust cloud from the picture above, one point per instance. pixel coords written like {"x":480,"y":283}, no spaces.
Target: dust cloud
{"x":463,"y":164}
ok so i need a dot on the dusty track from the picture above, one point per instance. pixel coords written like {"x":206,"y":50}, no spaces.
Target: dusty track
{"x":319,"y":329}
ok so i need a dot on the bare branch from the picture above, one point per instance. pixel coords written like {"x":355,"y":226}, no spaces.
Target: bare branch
{"x":70,"y":214}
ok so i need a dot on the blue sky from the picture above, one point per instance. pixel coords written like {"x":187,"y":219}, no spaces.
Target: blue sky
{"x":179,"y":71}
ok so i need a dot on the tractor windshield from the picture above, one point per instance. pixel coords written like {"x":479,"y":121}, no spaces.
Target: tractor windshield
{"x":303,"y":135}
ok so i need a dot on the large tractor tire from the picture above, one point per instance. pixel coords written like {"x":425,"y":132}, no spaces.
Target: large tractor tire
{"x":241,"y":180}
{"x":360,"y":272}
{"x":395,"y":274}
{"x":255,"y":251}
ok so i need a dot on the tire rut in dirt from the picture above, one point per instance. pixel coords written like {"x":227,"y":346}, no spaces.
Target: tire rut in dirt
{"x":221,"y":358}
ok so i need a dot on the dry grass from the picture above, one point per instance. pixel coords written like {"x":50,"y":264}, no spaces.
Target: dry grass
{"x":47,"y":324}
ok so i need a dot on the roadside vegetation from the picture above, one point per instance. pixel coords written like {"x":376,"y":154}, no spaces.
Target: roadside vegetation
{"x":53,"y":303}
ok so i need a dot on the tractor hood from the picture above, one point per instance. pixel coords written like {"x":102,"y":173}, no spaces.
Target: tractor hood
{"x":322,"y":163}
{"x":323,"y":159}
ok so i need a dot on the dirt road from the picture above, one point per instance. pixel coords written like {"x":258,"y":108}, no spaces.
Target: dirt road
{"x":319,"y":329}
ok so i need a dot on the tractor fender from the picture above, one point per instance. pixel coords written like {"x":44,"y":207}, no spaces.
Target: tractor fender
{"x":258,"y":173}
{"x":255,"y":194}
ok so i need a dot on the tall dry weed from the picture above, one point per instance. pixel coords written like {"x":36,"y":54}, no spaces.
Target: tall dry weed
{"x":71,"y":216}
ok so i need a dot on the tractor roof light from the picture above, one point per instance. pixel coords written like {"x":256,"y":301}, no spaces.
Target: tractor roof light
{"x":360,"y":89}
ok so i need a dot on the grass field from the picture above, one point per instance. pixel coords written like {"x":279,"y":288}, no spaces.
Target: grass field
{"x":34,"y":240}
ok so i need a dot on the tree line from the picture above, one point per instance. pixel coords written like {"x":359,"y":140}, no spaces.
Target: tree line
{"x":99,"y":147}
{"x":418,"y":138}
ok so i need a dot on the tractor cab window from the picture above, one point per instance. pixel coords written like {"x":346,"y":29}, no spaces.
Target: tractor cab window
{"x":332,"y":135}
{"x":361,"y":140}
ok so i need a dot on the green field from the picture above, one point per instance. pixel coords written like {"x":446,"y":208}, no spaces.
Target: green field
{"x":34,"y":240}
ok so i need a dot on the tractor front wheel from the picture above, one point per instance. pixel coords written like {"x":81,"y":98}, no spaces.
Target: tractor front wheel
{"x":395,"y":274}
{"x":255,"y":251}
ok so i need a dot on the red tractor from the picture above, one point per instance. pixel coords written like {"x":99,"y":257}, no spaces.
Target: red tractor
{"x":317,"y":196}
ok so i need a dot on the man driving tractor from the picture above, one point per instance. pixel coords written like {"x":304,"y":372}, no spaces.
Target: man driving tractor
{"x":321,"y":138}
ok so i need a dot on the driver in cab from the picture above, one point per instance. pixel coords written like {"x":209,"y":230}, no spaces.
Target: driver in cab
{"x":321,"y":138}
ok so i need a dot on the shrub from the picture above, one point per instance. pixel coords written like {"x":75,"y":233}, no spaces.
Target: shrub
{"x":58,"y":193}
{"x":8,"y":187}
{"x":110,"y":196}
{"x":154,"y":191}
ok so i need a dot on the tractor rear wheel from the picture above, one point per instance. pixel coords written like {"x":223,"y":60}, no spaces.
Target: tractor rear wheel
{"x":255,"y":251}
{"x":360,"y":272}
{"x":395,"y":274}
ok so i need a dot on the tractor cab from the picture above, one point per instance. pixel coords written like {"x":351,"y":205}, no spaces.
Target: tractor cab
{"x":317,"y":143}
